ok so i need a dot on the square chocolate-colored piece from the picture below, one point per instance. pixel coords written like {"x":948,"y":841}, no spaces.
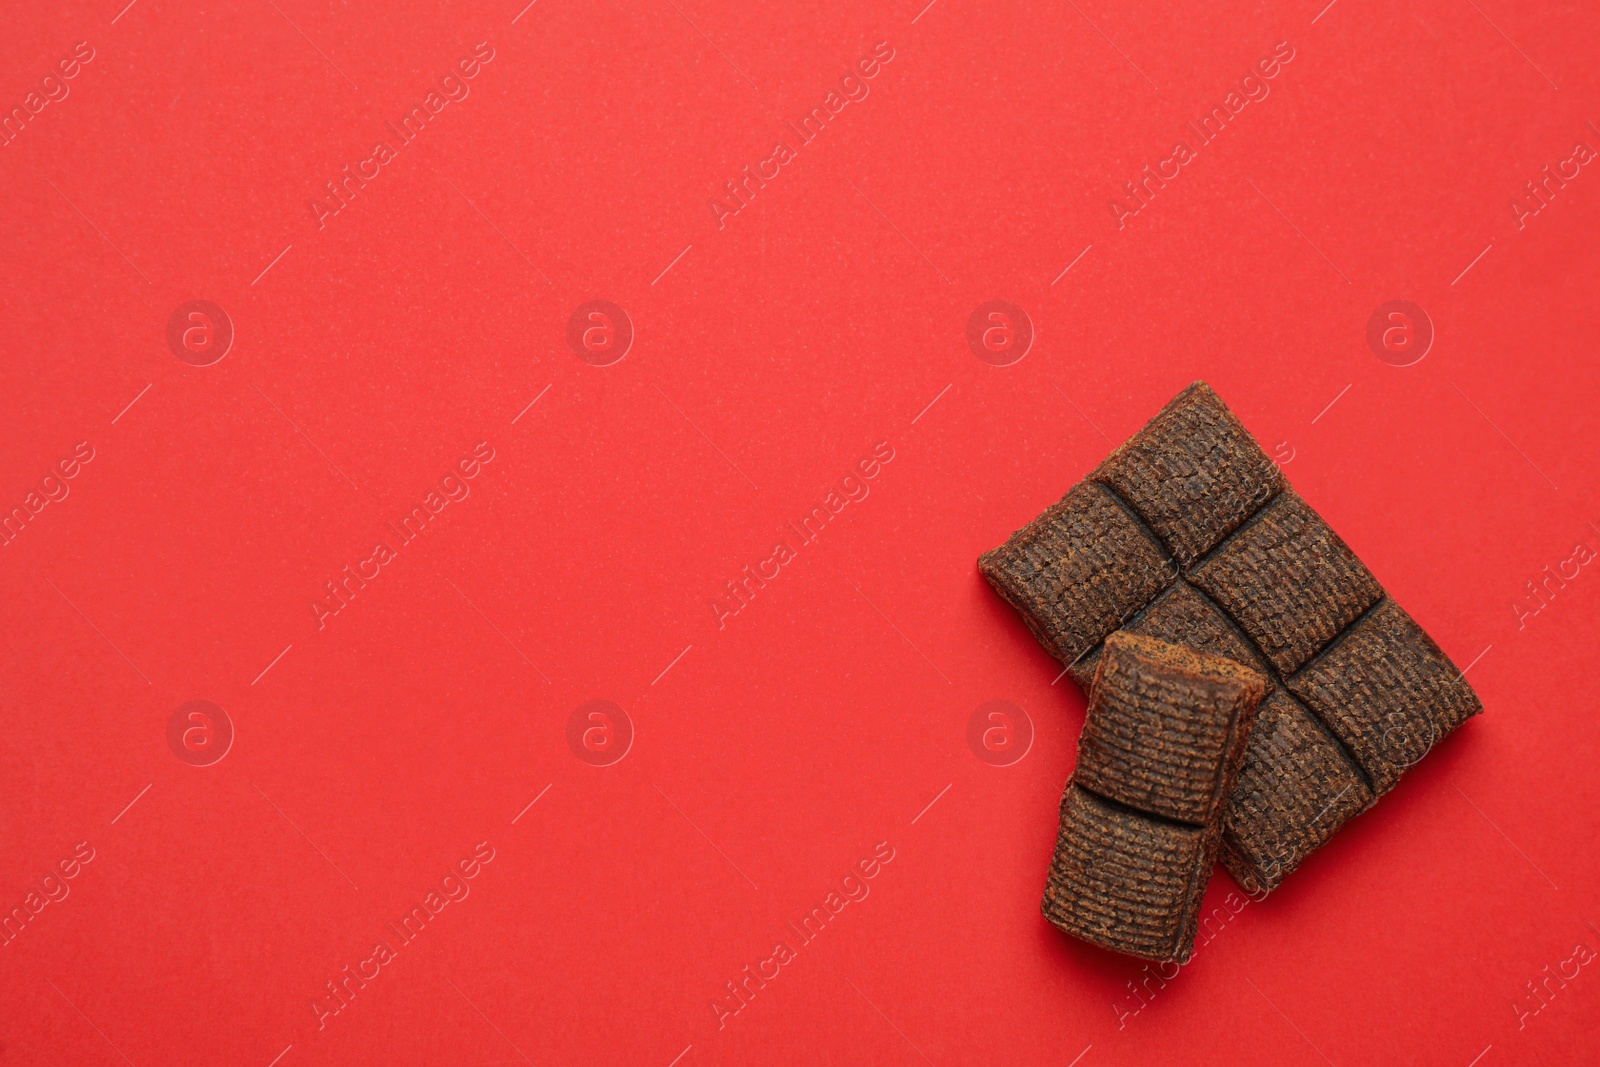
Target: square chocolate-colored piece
{"x":1387,"y":692}
{"x":1188,"y":533}
{"x":1077,"y":571}
{"x":1193,"y":473}
{"x":1183,"y":616}
{"x":1126,"y":881}
{"x":1166,"y":728}
{"x":1294,"y":789}
{"x":1289,"y":581}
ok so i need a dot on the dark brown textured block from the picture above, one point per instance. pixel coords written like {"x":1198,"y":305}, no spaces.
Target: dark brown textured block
{"x":1166,"y":728}
{"x":1126,"y":881}
{"x":1387,"y":692}
{"x":1140,"y":821}
{"x":1077,"y":571}
{"x":1183,"y":616}
{"x":1294,"y":789}
{"x":1212,"y":550}
{"x":1194,"y":473}
{"x":1289,"y":581}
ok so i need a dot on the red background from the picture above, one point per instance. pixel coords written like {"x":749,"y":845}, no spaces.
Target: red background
{"x":821,"y":319}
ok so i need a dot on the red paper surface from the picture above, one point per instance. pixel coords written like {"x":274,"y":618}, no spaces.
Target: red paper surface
{"x":809,"y":330}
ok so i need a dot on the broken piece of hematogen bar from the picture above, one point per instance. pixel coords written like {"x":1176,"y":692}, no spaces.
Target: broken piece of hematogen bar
{"x":1141,"y":818}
